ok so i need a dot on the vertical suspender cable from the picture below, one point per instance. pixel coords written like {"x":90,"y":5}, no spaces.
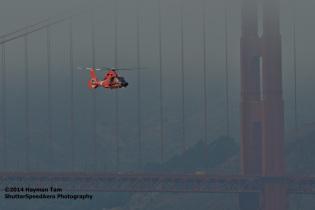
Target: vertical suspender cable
{"x":4,"y":109}
{"x":49,"y":106}
{"x":116,"y":92}
{"x":94,"y":116}
{"x":204,"y":43}
{"x":27,"y":111}
{"x":296,"y":124}
{"x":295,"y":77}
{"x":296,"y":120}
{"x":71,"y":84}
{"x":139,"y":111}
{"x":161,"y":80}
{"x":182,"y":66}
{"x":227,"y":85}
{"x":204,"y":38}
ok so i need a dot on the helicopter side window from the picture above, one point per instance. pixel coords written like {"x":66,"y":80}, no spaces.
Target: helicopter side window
{"x":114,"y":80}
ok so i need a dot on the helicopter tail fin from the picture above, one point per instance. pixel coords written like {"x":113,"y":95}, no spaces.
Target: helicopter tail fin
{"x":93,"y":74}
{"x":93,"y":82}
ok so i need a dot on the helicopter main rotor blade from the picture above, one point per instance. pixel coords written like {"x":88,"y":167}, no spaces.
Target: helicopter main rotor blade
{"x":89,"y":68}
{"x":125,"y":69}
{"x":109,"y":68}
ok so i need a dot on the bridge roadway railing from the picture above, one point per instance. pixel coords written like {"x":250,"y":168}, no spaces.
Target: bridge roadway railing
{"x":136,"y":182}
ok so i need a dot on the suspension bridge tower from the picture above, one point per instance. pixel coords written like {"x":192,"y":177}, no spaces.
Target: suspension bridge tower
{"x":262,"y":123}
{"x":274,"y":195}
{"x":251,"y":104}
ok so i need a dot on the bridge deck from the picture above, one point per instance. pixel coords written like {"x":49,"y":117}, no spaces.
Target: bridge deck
{"x":145,"y":182}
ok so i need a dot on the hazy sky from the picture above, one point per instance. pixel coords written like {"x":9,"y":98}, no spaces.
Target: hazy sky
{"x":18,"y":13}
{"x":15,"y":14}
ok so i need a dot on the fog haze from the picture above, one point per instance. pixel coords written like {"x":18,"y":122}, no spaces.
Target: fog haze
{"x":15,"y":14}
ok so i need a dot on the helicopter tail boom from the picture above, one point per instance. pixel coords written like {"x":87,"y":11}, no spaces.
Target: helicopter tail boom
{"x":93,"y":82}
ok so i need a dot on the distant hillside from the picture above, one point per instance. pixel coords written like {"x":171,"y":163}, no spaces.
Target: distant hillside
{"x":224,"y":158}
{"x":194,"y":159}
{"x":220,"y":153}
{"x":191,"y":161}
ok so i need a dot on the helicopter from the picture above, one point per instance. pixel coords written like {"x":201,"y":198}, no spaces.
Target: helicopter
{"x":111,"y":80}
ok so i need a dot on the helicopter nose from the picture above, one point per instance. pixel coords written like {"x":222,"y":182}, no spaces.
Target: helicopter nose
{"x":126,"y":84}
